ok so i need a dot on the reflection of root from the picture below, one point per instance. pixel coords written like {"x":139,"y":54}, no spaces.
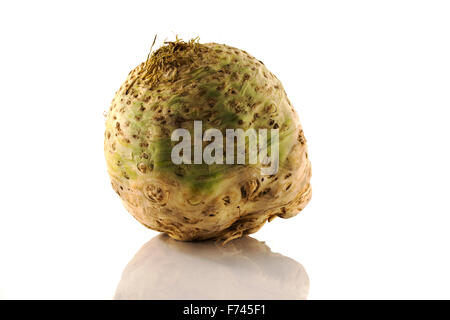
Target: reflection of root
{"x":243,"y":269}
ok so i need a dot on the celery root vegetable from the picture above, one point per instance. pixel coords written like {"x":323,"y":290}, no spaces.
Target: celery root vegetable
{"x":225,"y":88}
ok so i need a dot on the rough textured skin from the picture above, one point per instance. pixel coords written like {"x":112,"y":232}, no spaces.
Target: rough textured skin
{"x":226,"y":88}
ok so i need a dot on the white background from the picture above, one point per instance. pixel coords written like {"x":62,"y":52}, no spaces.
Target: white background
{"x":369,"y":79}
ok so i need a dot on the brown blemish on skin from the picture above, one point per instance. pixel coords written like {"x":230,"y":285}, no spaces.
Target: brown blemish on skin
{"x":142,"y":167}
{"x":156,"y":194}
{"x":226,"y":200}
{"x":301,"y":137}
